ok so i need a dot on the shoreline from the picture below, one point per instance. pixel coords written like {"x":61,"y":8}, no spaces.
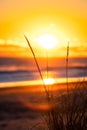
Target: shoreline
{"x":40,"y":88}
{"x":34,"y":83}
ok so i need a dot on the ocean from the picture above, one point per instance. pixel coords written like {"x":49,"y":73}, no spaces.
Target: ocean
{"x":23,"y":71}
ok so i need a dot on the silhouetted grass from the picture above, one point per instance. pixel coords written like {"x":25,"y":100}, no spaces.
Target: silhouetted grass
{"x":70,"y":113}
{"x":75,"y":110}
{"x":35,"y":59}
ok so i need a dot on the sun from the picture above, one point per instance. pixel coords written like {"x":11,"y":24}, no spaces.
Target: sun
{"x":48,"y":41}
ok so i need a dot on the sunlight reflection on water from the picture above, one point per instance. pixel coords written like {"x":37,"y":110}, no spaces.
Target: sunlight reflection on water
{"x":39,"y":82}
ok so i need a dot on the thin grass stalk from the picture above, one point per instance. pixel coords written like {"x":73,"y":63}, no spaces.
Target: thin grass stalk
{"x":47,"y":62}
{"x":47,"y":76}
{"x":47,"y":94}
{"x":67,"y":113}
{"x":67,"y":61}
{"x":47,"y":70}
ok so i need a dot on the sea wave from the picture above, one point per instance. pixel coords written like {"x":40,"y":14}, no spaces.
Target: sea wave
{"x":20,"y":70}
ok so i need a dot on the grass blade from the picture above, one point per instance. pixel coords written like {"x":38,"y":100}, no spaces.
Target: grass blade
{"x":67,"y":60}
{"x":47,"y":94}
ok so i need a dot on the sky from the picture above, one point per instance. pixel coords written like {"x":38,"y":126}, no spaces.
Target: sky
{"x":64,"y":19}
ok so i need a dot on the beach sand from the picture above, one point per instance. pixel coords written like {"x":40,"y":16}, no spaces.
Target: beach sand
{"x":23,"y":107}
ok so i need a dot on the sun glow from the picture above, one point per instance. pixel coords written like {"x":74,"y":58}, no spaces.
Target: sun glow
{"x":49,"y":81}
{"x":47,"y":41}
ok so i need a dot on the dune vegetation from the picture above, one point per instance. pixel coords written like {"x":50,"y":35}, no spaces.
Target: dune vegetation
{"x":70,"y":110}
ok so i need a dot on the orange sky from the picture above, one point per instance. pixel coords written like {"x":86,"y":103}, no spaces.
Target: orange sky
{"x":66,"y":19}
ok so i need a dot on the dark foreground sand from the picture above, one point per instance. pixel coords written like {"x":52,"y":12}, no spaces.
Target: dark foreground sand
{"x":22,"y":108}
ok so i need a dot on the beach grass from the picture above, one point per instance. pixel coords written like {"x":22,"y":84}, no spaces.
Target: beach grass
{"x":70,"y":112}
